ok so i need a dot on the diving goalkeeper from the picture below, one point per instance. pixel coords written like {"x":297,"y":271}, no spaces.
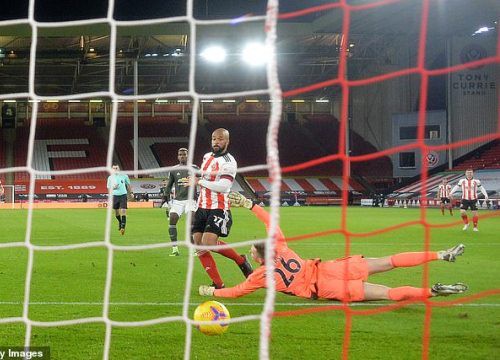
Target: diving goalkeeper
{"x":332,"y":279}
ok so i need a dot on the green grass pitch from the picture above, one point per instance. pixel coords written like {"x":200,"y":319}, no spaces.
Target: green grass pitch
{"x":149,"y":284}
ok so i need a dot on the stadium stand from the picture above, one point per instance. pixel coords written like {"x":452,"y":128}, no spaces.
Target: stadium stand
{"x":308,"y":185}
{"x":248,"y":137}
{"x":21,"y":151}
{"x":162,"y":135}
{"x":483,"y":161}
{"x":373,"y":170}
{"x":61,"y":145}
{"x":488,"y":158}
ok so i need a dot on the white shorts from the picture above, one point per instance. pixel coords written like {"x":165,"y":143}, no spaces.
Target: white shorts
{"x":183,"y":206}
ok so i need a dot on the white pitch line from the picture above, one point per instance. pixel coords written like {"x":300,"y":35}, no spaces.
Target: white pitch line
{"x":303,"y":242}
{"x":321,"y":303}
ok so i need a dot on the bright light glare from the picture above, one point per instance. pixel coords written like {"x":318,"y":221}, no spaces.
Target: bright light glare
{"x":255,"y":54}
{"x":483,"y":30}
{"x":214,"y":54}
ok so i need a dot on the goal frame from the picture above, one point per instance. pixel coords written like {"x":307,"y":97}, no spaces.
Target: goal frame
{"x":8,"y":197}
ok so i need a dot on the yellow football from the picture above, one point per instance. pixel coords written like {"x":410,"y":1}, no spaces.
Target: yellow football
{"x":212,"y":311}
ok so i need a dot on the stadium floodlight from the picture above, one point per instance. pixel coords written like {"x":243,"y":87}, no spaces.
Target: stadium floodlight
{"x":483,"y":29}
{"x":255,"y":54}
{"x":214,"y":54}
{"x":177,"y":52}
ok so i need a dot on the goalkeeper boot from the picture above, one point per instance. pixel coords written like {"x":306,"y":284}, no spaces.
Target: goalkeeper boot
{"x":445,"y":290}
{"x":451,"y":254}
{"x":246,"y":268}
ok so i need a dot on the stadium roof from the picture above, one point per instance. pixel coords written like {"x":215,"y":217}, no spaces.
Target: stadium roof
{"x":75,"y":59}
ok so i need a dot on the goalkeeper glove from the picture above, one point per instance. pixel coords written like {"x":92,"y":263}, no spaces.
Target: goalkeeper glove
{"x":238,"y":200}
{"x":206,"y":290}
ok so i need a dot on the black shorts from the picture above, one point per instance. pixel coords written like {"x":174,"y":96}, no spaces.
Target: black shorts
{"x":466,"y":204}
{"x":215,"y":221}
{"x":445,"y":200}
{"x":120,"y":201}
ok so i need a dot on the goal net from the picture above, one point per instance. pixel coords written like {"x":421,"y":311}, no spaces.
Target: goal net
{"x":350,"y":85}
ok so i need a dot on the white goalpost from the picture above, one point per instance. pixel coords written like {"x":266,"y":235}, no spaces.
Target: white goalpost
{"x":7,"y":198}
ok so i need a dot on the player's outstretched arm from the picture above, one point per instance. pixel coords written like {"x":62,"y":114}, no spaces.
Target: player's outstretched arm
{"x":251,"y":284}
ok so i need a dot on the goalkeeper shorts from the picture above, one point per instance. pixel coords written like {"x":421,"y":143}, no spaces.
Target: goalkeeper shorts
{"x":337,"y":281}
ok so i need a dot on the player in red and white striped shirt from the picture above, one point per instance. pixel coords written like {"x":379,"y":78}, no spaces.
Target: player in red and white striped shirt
{"x":213,"y":217}
{"x":443,"y":193}
{"x":469,"y":187}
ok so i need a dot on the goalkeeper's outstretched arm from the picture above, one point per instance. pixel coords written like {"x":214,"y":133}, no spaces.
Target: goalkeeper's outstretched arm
{"x":253,"y":283}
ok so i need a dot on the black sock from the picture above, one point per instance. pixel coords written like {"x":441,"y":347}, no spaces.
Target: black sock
{"x":172,"y":231}
{"x":119,"y":218}
{"x":124,"y":221}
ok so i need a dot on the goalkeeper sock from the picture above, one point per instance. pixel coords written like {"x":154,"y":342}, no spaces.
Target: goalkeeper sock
{"x":408,"y":293}
{"x":413,"y":258}
{"x":230,"y":253}
{"x":119,"y":218}
{"x":210,"y":267}
{"x":172,"y":231}
{"x":124,"y":221}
